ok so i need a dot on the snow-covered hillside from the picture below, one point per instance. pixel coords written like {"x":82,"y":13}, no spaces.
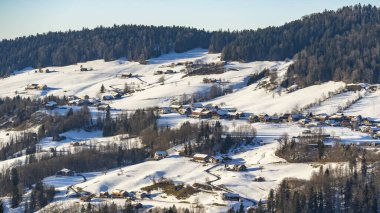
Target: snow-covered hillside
{"x":255,"y":100}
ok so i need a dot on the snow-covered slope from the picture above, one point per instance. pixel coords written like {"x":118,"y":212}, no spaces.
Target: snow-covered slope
{"x":368,"y":106}
{"x":255,"y":100}
{"x":335,"y":103}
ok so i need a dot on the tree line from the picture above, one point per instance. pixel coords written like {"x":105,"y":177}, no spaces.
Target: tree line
{"x":136,"y":42}
{"x":331,"y":45}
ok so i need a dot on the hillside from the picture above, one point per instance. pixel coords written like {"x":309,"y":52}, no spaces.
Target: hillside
{"x":348,"y":35}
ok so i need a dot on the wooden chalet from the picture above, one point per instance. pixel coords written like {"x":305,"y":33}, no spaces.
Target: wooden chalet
{"x":202,"y":158}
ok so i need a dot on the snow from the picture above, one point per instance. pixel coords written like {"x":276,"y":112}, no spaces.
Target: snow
{"x":333,"y":104}
{"x":260,"y":160}
{"x":251,"y":99}
{"x":367,"y":106}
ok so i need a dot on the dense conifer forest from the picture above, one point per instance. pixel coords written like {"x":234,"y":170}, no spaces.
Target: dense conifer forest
{"x":332,"y":45}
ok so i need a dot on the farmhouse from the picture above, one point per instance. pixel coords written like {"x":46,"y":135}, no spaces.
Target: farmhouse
{"x":354,"y":87}
{"x":185,"y":110}
{"x":65,"y":172}
{"x":175,"y":107}
{"x":158,"y":155}
{"x":36,"y":87}
{"x":158,"y":72}
{"x":202,"y":158}
{"x":294,"y":117}
{"x":126,"y":75}
{"x":231,"y":196}
{"x":201,"y":113}
{"x":236,"y":167}
{"x":216,"y":159}
{"x":119,"y":193}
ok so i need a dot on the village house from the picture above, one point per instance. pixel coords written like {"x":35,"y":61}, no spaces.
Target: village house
{"x":175,"y":108}
{"x":253,"y":118}
{"x":201,"y":113}
{"x":119,"y":193}
{"x":220,"y":114}
{"x":236,"y":167}
{"x":126,"y":75}
{"x":321,"y":117}
{"x":65,"y":172}
{"x":158,"y":72}
{"x":185,"y":110}
{"x":197,"y":105}
{"x":158,"y":155}
{"x":201,"y":158}
{"x":354,"y":87}
{"x":294,"y":117}
{"x":216,"y":159}
{"x":36,"y":87}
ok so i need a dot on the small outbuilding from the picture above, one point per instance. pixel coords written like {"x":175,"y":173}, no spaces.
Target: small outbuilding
{"x":65,"y":172}
{"x":158,"y":155}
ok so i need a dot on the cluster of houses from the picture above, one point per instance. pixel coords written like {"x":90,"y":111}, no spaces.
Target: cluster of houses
{"x":197,"y":110}
{"x":212,"y":111}
{"x":204,"y":158}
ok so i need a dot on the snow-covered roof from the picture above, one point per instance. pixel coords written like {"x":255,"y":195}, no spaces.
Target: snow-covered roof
{"x":65,"y":170}
{"x":161,"y":153}
{"x":200,"y":156}
{"x":51,"y":103}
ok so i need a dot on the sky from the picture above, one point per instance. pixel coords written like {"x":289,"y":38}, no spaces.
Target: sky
{"x":29,"y":17}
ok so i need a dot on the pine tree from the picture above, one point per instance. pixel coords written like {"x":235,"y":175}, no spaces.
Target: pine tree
{"x":102,"y":89}
{"x":270,"y":202}
{"x":15,"y":196}
{"x":190,"y":151}
{"x":321,"y":149}
{"x":108,"y":129}
{"x":241,"y":208}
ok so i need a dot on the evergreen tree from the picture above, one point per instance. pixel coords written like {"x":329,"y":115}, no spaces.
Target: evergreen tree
{"x":102,"y":89}
{"x":15,"y":196}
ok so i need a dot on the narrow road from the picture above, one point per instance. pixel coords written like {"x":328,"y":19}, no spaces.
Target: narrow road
{"x":224,"y":189}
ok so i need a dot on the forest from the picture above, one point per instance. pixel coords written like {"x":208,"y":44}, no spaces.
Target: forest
{"x":331,"y":45}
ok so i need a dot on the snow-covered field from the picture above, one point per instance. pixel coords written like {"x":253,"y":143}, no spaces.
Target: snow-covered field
{"x":251,"y":99}
{"x":367,"y":107}
{"x":335,"y":103}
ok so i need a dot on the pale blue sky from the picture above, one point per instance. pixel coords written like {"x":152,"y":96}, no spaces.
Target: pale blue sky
{"x":26,"y":17}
